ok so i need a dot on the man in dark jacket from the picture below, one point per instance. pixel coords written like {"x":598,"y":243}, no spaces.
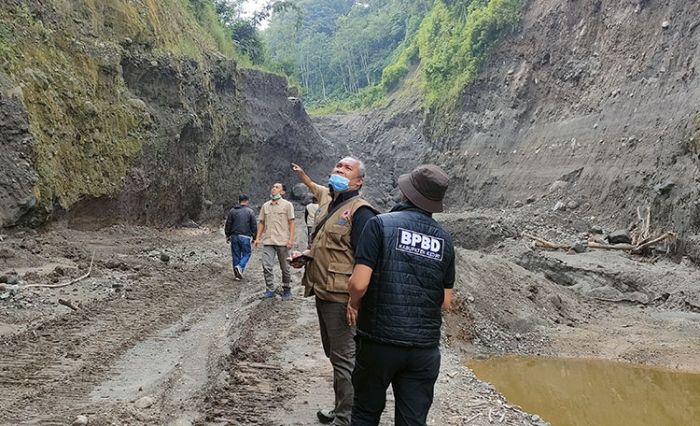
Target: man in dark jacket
{"x":403,"y":275}
{"x":241,"y":227}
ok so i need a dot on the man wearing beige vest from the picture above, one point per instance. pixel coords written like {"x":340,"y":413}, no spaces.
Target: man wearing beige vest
{"x":340,"y":219}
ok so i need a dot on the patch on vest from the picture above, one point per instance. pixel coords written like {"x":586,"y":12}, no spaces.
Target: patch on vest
{"x":423,"y":245}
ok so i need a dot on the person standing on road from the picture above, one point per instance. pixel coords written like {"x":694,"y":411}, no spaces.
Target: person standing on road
{"x":403,"y":275}
{"x":276,"y":232}
{"x":341,"y":216}
{"x":240,"y":229}
{"x":309,"y":217}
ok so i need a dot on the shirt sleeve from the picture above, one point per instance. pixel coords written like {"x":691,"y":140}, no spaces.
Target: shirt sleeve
{"x":317,"y":191}
{"x":261,"y":216}
{"x":359,"y":219}
{"x":290,"y":211}
{"x":450,"y":276}
{"x":369,"y":245}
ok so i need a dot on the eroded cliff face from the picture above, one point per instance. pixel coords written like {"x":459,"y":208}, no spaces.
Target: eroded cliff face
{"x":124,"y":111}
{"x":594,"y":103}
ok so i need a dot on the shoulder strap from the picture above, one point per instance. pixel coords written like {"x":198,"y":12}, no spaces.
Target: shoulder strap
{"x":323,"y":221}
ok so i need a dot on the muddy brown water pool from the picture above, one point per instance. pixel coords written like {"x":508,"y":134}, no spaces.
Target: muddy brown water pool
{"x":584,"y":392}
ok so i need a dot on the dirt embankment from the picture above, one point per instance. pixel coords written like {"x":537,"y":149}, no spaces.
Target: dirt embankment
{"x":117,"y":111}
{"x":592,"y":103}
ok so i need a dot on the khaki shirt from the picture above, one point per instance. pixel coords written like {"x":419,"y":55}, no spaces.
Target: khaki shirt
{"x":276,"y":216}
{"x":311,"y":210}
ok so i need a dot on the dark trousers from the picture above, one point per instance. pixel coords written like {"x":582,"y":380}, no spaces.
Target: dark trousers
{"x":412,"y":373}
{"x":339,"y":345}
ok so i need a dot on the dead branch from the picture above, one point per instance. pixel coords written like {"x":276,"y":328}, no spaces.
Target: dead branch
{"x":611,"y":246}
{"x":67,"y":303}
{"x":71,"y":282}
{"x":547,"y":244}
{"x":668,"y":235}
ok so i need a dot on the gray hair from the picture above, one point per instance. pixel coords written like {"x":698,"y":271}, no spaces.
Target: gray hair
{"x":361,"y":165}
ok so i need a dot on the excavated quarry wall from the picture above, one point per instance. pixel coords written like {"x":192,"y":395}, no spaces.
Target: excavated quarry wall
{"x":591,"y":104}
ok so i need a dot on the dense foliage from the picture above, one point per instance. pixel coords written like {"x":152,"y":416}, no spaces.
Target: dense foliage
{"x":340,"y":46}
{"x":350,"y":53}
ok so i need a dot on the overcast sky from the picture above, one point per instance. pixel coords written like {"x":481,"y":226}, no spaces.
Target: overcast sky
{"x":251,"y":6}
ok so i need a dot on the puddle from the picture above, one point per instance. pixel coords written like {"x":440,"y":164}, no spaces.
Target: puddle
{"x":581,"y":392}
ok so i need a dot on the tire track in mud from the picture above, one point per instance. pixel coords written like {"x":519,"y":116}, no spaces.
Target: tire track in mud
{"x":47,"y":371}
{"x":256,"y":383}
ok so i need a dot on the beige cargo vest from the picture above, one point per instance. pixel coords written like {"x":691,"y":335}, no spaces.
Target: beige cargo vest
{"x":327,"y":275}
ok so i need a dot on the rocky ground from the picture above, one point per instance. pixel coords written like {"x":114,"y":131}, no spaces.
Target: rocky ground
{"x":160,"y":333}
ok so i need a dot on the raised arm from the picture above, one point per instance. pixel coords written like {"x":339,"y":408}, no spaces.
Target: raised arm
{"x":305,"y":179}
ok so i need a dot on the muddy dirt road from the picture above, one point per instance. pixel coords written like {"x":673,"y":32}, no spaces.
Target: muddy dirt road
{"x":162,"y":334}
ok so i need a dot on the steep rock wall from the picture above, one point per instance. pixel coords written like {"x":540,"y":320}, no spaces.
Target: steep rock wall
{"x":126,"y":110}
{"x":592,"y":102}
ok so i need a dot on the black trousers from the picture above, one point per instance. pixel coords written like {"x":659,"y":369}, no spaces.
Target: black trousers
{"x":412,"y":373}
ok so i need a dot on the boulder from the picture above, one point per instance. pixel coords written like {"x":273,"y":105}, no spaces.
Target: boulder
{"x":621,"y":236}
{"x":665,"y":187}
{"x":300,"y":191}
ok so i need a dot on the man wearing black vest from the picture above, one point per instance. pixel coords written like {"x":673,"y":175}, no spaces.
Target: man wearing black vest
{"x":403,"y":276}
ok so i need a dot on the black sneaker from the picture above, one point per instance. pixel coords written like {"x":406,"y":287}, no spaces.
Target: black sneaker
{"x":325,"y":416}
{"x":237,"y":271}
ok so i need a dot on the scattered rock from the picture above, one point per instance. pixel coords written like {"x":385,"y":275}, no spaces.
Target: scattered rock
{"x":595,"y":229}
{"x":572,"y":205}
{"x":579,"y":246}
{"x":531,"y":199}
{"x":558,"y":185}
{"x":137,"y":103}
{"x":144,"y":402}
{"x":517,"y":204}
{"x":665,"y":24}
{"x":6,"y":253}
{"x":164,"y":258}
{"x":664,"y":187}
{"x":80,"y":421}
{"x":90,"y":108}
{"x":207,"y":203}
{"x":10,"y":279}
{"x":559,"y":206}
{"x":621,"y":236}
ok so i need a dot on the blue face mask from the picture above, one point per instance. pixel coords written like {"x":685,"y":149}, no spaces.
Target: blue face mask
{"x":338,"y":183}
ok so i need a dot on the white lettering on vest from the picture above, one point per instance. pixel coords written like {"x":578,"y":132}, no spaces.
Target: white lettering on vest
{"x":415,"y":243}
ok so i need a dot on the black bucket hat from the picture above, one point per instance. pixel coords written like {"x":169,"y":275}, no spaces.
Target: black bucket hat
{"x":425,"y":187}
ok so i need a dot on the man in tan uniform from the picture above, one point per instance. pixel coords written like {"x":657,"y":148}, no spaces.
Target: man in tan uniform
{"x":340,"y":219}
{"x":310,"y":217}
{"x":276,"y":231}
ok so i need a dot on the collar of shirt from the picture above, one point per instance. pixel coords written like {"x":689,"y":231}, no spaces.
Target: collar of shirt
{"x":402,"y":206}
{"x":344,"y":196}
